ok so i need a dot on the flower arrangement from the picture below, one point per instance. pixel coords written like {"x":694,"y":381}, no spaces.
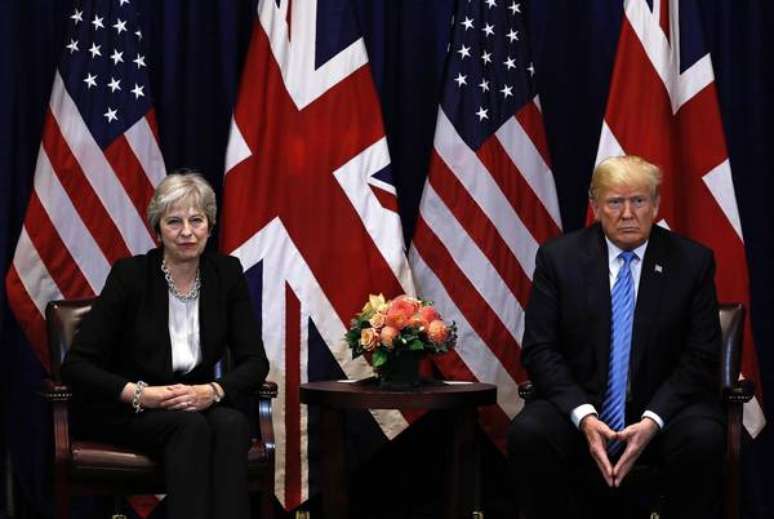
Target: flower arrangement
{"x":388,"y":329}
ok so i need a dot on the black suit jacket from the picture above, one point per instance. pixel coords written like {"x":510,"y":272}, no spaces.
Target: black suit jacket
{"x":125,"y":336}
{"x":676,"y":333}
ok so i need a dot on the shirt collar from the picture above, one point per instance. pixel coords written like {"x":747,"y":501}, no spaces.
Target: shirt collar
{"x":614,"y":250}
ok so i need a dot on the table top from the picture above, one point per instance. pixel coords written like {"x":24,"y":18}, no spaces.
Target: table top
{"x":366,"y":394}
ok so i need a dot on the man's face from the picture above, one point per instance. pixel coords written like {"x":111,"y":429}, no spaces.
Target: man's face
{"x":627,"y":214}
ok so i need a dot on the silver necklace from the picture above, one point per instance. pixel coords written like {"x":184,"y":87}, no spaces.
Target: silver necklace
{"x":191,"y":295}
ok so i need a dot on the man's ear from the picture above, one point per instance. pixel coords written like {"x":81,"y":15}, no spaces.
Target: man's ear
{"x":595,"y":209}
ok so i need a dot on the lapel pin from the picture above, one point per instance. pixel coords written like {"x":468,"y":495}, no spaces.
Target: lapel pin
{"x":659,"y":268}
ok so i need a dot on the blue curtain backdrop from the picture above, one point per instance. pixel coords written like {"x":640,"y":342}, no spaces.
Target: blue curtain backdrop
{"x":196,"y":48}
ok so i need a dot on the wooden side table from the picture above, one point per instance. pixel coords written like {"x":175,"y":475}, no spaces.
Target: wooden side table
{"x":459,"y":400}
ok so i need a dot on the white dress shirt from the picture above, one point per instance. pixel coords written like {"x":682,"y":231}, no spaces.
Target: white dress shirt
{"x":184,"y":333}
{"x":615,"y":263}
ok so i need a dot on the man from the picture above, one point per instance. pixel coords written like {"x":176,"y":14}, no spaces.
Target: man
{"x":622,"y":343}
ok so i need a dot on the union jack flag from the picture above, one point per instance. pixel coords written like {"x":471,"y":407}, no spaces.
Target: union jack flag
{"x":310,"y":210}
{"x":488,"y":203}
{"x":663,"y":106}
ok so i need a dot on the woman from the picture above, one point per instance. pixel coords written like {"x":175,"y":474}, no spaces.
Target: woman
{"x":142,"y":365}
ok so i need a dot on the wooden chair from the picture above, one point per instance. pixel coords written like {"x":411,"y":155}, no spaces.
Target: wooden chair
{"x":734,"y":393}
{"x":89,"y":468}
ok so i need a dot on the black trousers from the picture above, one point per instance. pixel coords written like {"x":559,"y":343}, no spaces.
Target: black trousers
{"x":204,"y":455}
{"x":556,"y":477}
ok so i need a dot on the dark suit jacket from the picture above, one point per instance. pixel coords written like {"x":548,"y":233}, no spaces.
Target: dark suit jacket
{"x":125,"y":336}
{"x":676,"y":335}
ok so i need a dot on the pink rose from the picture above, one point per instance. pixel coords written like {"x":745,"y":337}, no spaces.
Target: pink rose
{"x":429,"y":313}
{"x":399,"y":314}
{"x":388,"y":336}
{"x":437,"y":332}
{"x":369,"y":339}
{"x":377,"y":320}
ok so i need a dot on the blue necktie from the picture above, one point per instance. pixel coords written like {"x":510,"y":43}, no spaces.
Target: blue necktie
{"x":622,"y":298}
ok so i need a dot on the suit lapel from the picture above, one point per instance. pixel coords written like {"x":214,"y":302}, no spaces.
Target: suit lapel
{"x":207,"y":305}
{"x":649,"y":292}
{"x":597,"y":277}
{"x":160,"y":297}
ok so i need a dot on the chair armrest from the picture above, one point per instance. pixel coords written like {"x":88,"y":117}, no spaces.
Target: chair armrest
{"x":739,"y":392}
{"x":733,"y":390}
{"x":59,"y":396}
{"x":55,"y":391}
{"x":527,"y":391}
{"x":265,"y":394}
{"x":267,"y":390}
{"x":732,"y":328}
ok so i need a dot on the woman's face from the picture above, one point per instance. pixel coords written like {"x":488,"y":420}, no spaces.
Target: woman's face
{"x":184,"y":231}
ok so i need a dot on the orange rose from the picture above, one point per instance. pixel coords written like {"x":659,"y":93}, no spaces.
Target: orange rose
{"x":429,"y":313}
{"x":369,"y":339}
{"x":417,"y":321}
{"x":414,"y":303}
{"x":399,"y":314}
{"x":437,"y":332}
{"x":388,"y":336}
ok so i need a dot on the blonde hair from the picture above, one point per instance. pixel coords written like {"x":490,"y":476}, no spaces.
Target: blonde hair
{"x":624,"y":170}
{"x":182,"y":186}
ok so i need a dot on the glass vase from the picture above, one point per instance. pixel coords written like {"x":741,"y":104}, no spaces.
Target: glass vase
{"x":401,"y":371}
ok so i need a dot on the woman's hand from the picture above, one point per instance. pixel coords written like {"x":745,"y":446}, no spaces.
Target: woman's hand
{"x":178,"y":396}
{"x":154,"y":397}
{"x":187,"y":398}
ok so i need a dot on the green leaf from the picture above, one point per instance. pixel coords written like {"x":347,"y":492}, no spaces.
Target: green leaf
{"x":416,"y":345}
{"x":409,"y":334}
{"x":379,"y":358}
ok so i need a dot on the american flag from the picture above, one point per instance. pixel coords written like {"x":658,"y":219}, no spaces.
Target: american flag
{"x":97,"y":166}
{"x":663,"y":106}
{"x":489,"y":201}
{"x":309,"y":207}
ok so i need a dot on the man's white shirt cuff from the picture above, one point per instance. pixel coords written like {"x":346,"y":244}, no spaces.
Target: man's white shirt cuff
{"x":581,"y":412}
{"x":653,"y":416}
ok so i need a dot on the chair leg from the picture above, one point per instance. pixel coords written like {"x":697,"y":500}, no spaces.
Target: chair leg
{"x":733,"y":449}
{"x":267,"y":504}
{"x":61,"y":502}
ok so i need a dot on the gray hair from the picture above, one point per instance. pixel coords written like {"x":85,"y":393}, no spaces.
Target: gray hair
{"x":186,"y":186}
